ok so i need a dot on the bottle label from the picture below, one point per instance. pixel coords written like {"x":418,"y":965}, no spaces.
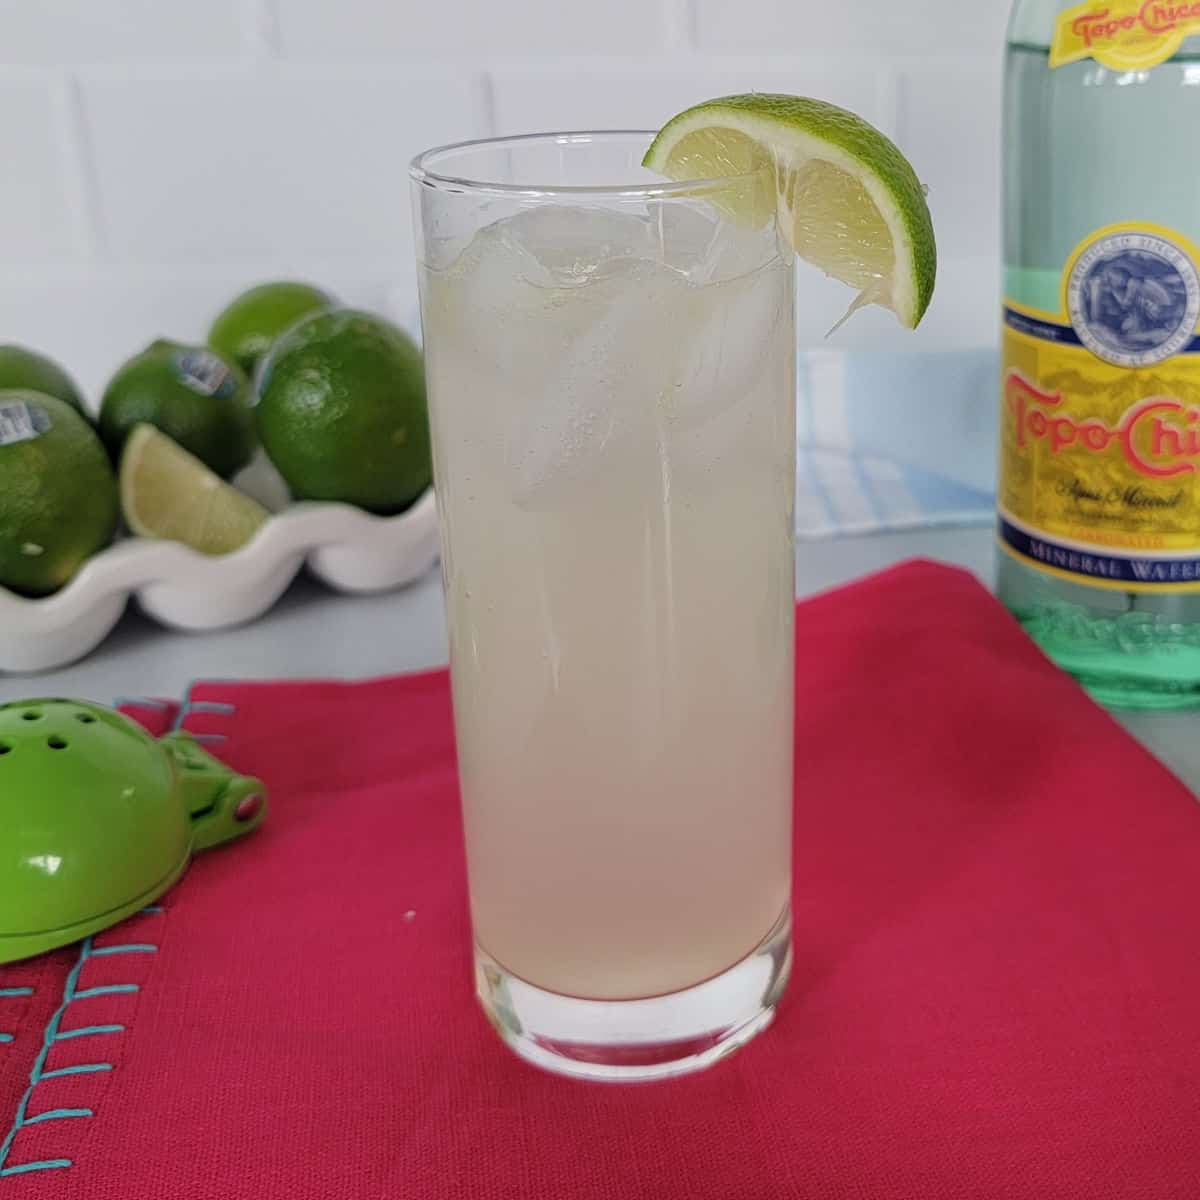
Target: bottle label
{"x":1100,"y":418}
{"x":1125,"y":35}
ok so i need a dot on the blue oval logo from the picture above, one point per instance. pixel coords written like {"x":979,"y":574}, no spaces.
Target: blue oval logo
{"x":1134,"y":299}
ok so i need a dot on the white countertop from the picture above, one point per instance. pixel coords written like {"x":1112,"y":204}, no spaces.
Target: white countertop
{"x":314,"y":633}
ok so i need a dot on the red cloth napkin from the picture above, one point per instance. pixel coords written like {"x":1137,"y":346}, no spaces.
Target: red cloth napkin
{"x":997,"y":989}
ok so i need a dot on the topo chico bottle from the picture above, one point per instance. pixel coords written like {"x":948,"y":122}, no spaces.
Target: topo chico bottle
{"x":1099,"y":490}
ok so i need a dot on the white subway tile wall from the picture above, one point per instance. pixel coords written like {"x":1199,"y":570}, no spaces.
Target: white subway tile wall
{"x":363,"y":29}
{"x":944,"y":112}
{"x":54,"y":32}
{"x":161,"y":154}
{"x":645,"y":93}
{"x":869,"y":26}
{"x":37,"y":219}
{"x":188,"y":164}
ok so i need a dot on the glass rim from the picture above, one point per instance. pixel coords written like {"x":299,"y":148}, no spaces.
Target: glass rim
{"x":421,"y":170}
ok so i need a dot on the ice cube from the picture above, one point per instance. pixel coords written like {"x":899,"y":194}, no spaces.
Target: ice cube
{"x":685,"y":237}
{"x":706,"y":248}
{"x":739,"y":250}
{"x":505,"y":289}
{"x":572,"y":247}
{"x":595,"y":327}
{"x":720,"y":347}
{"x":599,"y":391}
{"x":471,"y":311}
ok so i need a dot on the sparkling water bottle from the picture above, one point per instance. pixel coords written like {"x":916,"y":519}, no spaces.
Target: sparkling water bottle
{"x":1099,"y":491}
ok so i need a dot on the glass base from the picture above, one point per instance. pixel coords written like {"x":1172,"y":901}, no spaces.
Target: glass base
{"x":631,"y":1040}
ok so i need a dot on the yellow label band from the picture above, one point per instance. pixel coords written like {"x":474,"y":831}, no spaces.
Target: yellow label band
{"x":1124,"y":35}
{"x":1100,"y":418}
{"x":1109,"y":574}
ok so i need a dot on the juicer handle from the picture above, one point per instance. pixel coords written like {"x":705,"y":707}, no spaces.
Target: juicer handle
{"x":240,"y":808}
{"x":222,"y":805}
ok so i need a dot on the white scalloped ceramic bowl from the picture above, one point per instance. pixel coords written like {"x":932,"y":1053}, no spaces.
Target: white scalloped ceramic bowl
{"x":350,"y":550}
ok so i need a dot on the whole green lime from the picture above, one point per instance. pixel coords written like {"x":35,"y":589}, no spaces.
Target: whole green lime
{"x":245,"y":330}
{"x":192,"y":394}
{"x":24,"y":368}
{"x":342,"y":413}
{"x":58,"y":495}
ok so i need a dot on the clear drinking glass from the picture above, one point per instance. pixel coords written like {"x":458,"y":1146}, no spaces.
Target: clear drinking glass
{"x":610,"y":363}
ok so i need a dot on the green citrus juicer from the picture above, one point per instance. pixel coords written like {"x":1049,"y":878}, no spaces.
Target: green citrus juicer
{"x":98,"y":819}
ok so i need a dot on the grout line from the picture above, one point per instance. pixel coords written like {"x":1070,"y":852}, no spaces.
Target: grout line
{"x":678,"y":24}
{"x":260,"y":20}
{"x":889,"y":96}
{"x":486,"y":99}
{"x":83,"y":184}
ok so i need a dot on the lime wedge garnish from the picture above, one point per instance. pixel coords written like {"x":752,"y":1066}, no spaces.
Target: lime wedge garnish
{"x":168,"y":493}
{"x":847,"y":199}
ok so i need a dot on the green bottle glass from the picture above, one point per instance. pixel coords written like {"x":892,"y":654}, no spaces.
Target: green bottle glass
{"x":1099,"y":493}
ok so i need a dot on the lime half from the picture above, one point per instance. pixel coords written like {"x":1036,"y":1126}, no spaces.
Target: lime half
{"x":168,"y":493}
{"x":847,"y":199}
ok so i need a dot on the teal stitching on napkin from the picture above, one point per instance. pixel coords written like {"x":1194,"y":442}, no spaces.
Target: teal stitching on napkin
{"x":35,"y":1076}
{"x":53,"y":1034}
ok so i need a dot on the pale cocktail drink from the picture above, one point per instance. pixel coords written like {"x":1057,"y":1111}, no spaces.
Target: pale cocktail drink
{"x":612,"y":393}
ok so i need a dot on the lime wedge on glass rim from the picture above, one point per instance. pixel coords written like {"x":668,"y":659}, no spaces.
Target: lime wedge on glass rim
{"x":847,"y":200}
{"x":168,"y":493}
